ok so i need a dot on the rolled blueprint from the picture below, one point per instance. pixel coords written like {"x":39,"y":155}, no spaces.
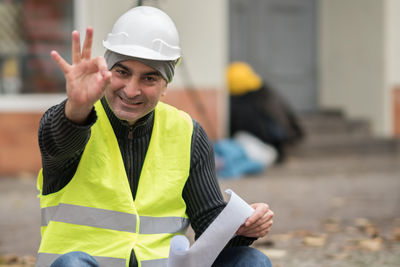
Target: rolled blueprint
{"x":207,"y":247}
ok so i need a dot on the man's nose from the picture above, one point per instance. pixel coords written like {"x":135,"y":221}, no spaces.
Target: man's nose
{"x":133,"y":88}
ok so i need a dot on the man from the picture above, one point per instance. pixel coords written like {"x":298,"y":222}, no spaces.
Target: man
{"x":122,"y":172}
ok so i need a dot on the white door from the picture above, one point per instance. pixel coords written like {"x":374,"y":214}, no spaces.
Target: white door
{"x":278,"y":39}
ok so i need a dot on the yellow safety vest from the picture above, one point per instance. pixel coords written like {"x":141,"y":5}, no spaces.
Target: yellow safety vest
{"x":95,"y":212}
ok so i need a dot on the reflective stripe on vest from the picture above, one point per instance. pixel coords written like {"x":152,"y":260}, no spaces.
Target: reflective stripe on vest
{"x":155,"y":263}
{"x":112,"y":220}
{"x":74,"y":214}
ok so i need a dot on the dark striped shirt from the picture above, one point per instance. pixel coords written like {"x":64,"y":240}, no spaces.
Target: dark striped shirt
{"x":62,"y":143}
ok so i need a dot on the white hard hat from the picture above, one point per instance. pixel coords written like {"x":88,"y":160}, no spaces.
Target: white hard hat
{"x":145,"y":32}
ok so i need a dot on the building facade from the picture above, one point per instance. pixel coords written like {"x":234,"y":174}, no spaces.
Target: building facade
{"x":336,"y":54}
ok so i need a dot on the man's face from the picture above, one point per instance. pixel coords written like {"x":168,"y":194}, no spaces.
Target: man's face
{"x":134,"y":90}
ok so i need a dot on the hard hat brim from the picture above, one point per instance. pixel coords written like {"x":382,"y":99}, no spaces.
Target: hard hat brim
{"x":140,"y":52}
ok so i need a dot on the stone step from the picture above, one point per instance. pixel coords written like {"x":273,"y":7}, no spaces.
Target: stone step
{"x":329,"y":133}
{"x":350,"y":164}
{"x":316,"y":138}
{"x":349,"y":146}
{"x":334,"y":139}
{"x":327,"y":124}
{"x":338,"y":128}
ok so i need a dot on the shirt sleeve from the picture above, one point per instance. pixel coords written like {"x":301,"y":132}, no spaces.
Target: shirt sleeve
{"x":202,"y":194}
{"x":61,"y":144}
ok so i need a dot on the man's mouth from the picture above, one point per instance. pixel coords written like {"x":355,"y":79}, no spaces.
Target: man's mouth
{"x":132,"y":102}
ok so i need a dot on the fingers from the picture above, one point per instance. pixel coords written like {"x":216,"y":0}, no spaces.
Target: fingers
{"x":259,"y":223}
{"x":262,"y":220}
{"x":259,"y":210}
{"x":260,"y":227}
{"x":87,"y":45}
{"x":76,"y":47}
{"x":94,"y":65}
{"x":103,"y":70}
{"x":101,"y":64}
{"x":77,"y":55}
{"x":60,"y":61}
{"x":103,"y":81}
{"x":261,"y":231}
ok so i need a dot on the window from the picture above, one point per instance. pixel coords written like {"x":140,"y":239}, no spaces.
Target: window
{"x":29,"y":30}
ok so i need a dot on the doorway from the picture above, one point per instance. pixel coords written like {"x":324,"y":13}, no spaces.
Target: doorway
{"x":278,"y":39}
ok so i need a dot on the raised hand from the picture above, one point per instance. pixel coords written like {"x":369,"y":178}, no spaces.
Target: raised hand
{"x":86,"y":78}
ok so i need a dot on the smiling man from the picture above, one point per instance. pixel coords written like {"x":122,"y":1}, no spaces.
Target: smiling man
{"x":122,"y":171}
{"x":135,"y":90}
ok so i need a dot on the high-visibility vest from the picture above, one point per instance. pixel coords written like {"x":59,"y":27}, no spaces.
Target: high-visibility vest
{"x":95,"y":212}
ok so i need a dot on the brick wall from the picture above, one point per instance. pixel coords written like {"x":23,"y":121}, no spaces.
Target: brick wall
{"x":205,"y":106}
{"x":19,"y":152}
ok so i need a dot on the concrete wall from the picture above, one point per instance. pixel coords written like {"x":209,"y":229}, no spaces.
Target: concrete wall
{"x":392,"y":38}
{"x":392,"y":61}
{"x":352,"y":63}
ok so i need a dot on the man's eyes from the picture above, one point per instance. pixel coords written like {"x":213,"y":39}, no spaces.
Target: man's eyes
{"x":121,"y":72}
{"x":150,"y":78}
{"x":146,"y":78}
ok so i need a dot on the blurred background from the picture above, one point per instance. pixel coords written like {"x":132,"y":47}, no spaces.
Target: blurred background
{"x":321,"y":55}
{"x":335,"y":62}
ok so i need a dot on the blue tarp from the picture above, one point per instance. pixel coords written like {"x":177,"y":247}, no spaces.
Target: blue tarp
{"x":232,"y":160}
